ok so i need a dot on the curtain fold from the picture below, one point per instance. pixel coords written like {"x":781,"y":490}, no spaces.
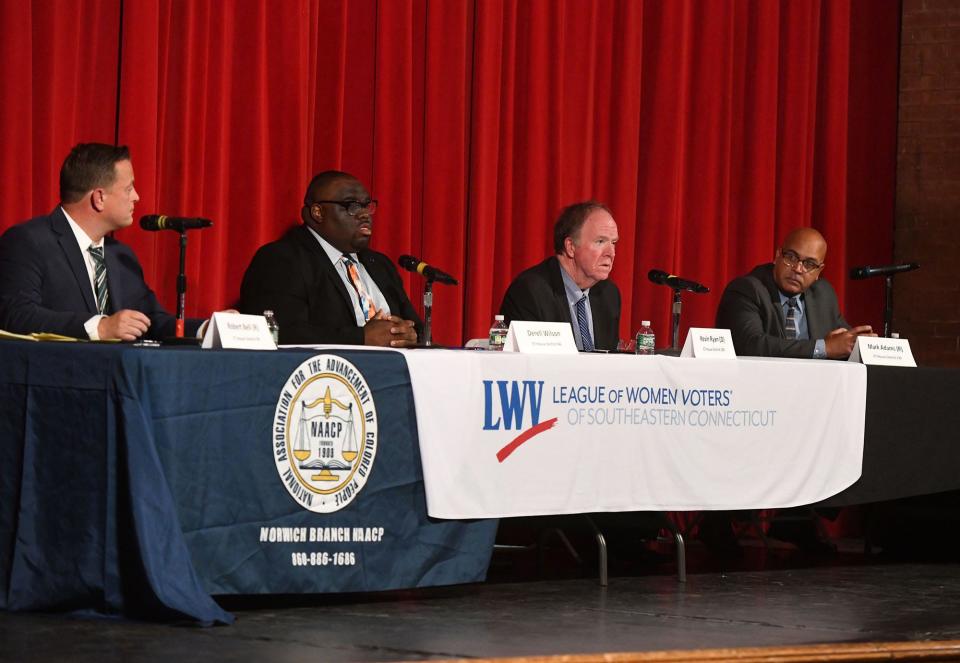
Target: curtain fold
{"x":59,"y":87}
{"x":709,"y":127}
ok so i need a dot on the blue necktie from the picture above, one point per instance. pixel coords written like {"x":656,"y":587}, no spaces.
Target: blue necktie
{"x":584,"y":326}
{"x":791,"y":326}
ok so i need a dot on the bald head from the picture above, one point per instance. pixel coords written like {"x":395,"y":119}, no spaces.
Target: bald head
{"x":808,"y":237}
{"x":799,"y":260}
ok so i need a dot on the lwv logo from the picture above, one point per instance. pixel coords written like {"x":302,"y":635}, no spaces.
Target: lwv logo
{"x":506,"y":404}
{"x":514,"y":396}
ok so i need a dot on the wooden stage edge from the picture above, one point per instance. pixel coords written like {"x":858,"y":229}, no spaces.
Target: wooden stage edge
{"x":943,"y":650}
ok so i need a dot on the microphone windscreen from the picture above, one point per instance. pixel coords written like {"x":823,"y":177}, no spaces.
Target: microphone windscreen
{"x":408,"y":262}
{"x":658,"y":276}
{"x":151,"y":221}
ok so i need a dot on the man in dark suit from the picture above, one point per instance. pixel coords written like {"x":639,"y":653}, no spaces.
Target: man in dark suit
{"x":572,"y":286}
{"x":60,"y":273}
{"x":322,"y":282}
{"x":784,"y":308}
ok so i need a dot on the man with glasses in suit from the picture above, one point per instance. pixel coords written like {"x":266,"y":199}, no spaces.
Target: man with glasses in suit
{"x":784,"y":308}
{"x":322,"y":282}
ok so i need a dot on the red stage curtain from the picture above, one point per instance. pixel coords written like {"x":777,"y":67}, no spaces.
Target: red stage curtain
{"x":710,"y":127}
{"x":58,"y":88}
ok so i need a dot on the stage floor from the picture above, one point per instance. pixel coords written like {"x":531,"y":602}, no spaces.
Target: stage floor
{"x":778,"y":598}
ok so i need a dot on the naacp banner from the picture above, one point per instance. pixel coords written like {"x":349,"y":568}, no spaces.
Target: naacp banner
{"x":518,"y":435}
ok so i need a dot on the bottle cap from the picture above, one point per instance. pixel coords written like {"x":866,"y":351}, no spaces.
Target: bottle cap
{"x":267,"y":313}
{"x":644,"y":323}
{"x":498,"y":317}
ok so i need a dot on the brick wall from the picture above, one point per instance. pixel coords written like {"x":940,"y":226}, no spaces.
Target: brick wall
{"x":927,"y":229}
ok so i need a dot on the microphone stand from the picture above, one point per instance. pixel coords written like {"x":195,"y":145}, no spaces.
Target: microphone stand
{"x":182,"y":284}
{"x":677,"y":304}
{"x":427,"y":310}
{"x":888,"y":308}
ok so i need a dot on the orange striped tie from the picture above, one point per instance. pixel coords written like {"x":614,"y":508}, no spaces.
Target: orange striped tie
{"x":366,"y":302}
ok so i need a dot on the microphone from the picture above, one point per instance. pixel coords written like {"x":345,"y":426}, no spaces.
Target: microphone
{"x":431,"y":273}
{"x":858,"y":273}
{"x":178,"y":223}
{"x":662,"y":278}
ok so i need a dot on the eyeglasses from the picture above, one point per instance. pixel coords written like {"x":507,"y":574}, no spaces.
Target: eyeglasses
{"x":352,"y":207}
{"x":793,"y":259}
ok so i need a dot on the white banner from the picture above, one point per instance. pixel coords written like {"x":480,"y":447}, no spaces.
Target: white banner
{"x":505,"y":434}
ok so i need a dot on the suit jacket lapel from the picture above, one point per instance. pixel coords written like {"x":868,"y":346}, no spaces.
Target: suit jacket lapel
{"x":559,"y":291}
{"x":71,"y":252}
{"x":115,"y":293}
{"x":811,"y":309}
{"x":378,"y":275}
{"x":600,"y":317}
{"x":318,"y":256}
{"x":774,"y":293}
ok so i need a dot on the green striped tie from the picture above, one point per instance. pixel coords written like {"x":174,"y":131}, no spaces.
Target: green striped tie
{"x":99,"y":278}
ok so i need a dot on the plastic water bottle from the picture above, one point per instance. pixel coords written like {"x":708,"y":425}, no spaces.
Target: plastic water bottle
{"x":498,"y":333}
{"x":646,"y":339}
{"x":272,"y":325}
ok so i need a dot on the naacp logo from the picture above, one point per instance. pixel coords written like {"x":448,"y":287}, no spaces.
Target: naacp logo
{"x":325,"y":433}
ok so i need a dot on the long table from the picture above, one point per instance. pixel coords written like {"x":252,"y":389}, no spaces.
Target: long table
{"x":144,"y":480}
{"x":912,"y":420}
{"x":904,"y":447}
{"x":551,"y":434}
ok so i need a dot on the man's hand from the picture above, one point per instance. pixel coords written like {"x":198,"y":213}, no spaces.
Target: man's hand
{"x":839,"y":343}
{"x":126,"y":325}
{"x":390,"y":332}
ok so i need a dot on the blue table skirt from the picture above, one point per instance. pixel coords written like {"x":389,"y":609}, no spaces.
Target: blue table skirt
{"x":140,"y":481}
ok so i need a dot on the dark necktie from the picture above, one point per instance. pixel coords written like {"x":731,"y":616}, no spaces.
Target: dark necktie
{"x":99,"y":278}
{"x":583,"y":325}
{"x":792,"y":312}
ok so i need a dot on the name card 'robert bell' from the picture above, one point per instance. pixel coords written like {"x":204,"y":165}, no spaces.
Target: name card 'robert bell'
{"x":238,"y":332}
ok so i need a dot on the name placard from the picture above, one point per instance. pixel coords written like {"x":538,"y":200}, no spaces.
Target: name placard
{"x":875,"y":351}
{"x":706,"y":343}
{"x":540,"y":338}
{"x":235,"y":331}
